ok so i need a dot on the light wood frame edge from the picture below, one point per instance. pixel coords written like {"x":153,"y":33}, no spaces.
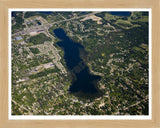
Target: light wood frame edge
{"x":6,"y":4}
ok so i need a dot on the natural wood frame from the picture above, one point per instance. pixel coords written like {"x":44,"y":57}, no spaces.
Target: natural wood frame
{"x":6,"y":4}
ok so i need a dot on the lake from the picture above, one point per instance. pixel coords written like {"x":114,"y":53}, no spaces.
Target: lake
{"x":45,"y":12}
{"x":82,"y":80}
{"x":120,"y":13}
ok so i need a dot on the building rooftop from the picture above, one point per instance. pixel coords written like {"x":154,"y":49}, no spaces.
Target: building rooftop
{"x":19,"y":38}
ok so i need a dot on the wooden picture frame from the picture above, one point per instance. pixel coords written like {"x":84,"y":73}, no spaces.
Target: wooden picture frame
{"x":4,"y":39}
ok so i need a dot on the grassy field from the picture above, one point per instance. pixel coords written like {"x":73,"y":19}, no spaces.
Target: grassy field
{"x":34,"y":50}
{"x":39,"y":39}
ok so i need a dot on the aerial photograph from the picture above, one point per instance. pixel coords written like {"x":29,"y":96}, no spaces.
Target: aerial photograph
{"x":79,"y":63}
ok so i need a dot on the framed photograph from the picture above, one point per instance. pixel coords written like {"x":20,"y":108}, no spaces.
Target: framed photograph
{"x":80,"y":63}
{"x":87,"y":65}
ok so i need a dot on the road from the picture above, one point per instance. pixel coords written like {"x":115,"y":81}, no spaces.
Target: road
{"x":21,"y":106}
{"x":47,"y":26}
{"x":138,"y":102}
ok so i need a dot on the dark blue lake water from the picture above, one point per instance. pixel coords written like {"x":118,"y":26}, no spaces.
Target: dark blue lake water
{"x":82,"y":80}
{"x":44,"y":12}
{"x":83,"y":12}
{"x":120,"y":13}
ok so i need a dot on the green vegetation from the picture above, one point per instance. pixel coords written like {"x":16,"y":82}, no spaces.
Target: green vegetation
{"x":55,"y":18}
{"x":44,"y":73}
{"x":17,"y":21}
{"x":124,"y":23}
{"x":139,"y":17}
{"x":30,"y":14}
{"x":34,"y":50}
{"x":39,"y":39}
